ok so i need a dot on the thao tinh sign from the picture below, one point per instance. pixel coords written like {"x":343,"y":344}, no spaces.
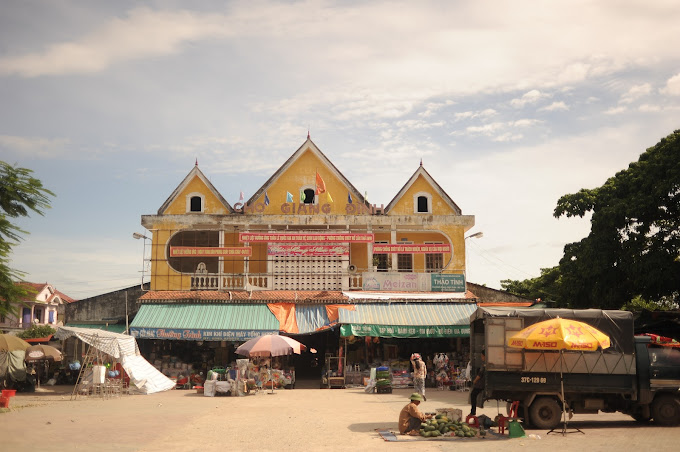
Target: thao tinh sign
{"x":414,"y":282}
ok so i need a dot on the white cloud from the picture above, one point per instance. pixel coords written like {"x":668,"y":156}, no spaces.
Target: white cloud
{"x":486,"y":113}
{"x":35,"y":146}
{"x":555,"y":106}
{"x":615,"y":110}
{"x":672,"y":86}
{"x":635,"y":93}
{"x":528,"y":98}
{"x":142,"y":33}
{"x":649,"y":108}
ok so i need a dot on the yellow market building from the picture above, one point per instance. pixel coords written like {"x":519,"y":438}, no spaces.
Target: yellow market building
{"x":308,"y":256}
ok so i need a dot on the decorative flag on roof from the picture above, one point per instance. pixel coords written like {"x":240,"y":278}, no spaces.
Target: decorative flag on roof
{"x":328,"y":195}
{"x":349,"y":198}
{"x":266,"y":199}
{"x":240,"y":198}
{"x":320,"y":184}
{"x":302,"y":196}
{"x":289,"y":197}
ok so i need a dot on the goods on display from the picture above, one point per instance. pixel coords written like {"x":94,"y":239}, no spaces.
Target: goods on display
{"x":440,"y":425}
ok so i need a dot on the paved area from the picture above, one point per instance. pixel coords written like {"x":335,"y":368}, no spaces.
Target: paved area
{"x":288,"y":420}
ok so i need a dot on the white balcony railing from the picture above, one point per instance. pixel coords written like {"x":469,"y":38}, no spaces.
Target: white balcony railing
{"x":266,"y":281}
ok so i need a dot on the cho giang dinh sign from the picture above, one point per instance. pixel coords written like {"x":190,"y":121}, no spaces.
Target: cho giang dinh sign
{"x":414,"y":282}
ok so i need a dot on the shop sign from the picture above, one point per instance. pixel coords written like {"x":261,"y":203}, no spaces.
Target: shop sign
{"x":182,"y":334}
{"x":354,"y":329}
{"x":447,"y":282}
{"x":279,"y":237}
{"x":307,"y":250}
{"x":382,"y":248}
{"x":403,"y":282}
{"x":210,"y":251}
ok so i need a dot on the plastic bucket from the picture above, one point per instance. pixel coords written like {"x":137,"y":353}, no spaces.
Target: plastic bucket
{"x":9,"y":393}
{"x":515,"y":430}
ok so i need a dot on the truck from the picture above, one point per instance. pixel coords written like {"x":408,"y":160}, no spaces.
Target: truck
{"x":632,"y":376}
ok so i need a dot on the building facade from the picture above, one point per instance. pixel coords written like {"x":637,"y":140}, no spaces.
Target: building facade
{"x":306,"y":253}
{"x":44,"y":306}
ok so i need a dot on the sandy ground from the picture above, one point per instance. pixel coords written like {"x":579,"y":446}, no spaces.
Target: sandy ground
{"x":302,"y":418}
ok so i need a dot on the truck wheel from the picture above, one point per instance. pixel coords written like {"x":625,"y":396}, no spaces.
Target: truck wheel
{"x":666,"y":409}
{"x":545,"y":413}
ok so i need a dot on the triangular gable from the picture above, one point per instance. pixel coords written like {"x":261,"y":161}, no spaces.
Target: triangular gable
{"x":421,"y":172}
{"x":309,"y":145}
{"x":195,"y":172}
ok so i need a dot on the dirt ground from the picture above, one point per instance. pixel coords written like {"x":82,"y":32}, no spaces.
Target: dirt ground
{"x":302,"y":418}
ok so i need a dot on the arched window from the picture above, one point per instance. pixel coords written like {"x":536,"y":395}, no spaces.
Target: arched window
{"x":310,"y":196}
{"x":195,"y":204}
{"x":422,"y":203}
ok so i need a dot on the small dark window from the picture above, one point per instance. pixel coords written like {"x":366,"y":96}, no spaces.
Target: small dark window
{"x":381,"y":261}
{"x":404,"y":262}
{"x":422,"y":204}
{"x":196,"y":204}
{"x":309,"y":196}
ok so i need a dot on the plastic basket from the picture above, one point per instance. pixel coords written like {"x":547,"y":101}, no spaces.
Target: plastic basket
{"x":4,"y":402}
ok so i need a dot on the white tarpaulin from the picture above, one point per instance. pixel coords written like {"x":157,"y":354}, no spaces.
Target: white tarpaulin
{"x":113,"y":344}
{"x":142,"y":374}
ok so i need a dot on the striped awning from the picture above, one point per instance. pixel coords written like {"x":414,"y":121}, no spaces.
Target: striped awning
{"x":407,"y":320}
{"x":203,"y":322}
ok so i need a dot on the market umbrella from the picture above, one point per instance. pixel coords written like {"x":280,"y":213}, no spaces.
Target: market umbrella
{"x":9,"y":343}
{"x":560,"y":334}
{"x":270,"y":345}
{"x":42,"y":352}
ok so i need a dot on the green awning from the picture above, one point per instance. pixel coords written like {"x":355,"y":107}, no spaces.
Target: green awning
{"x":203,"y":322}
{"x":406,"y":320}
{"x":115,"y":328}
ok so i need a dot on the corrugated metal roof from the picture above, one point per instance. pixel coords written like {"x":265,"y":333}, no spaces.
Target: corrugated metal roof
{"x":206,"y":317}
{"x":416,"y":314}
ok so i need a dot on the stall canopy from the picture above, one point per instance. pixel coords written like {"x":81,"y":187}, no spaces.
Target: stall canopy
{"x":203,"y":322}
{"x":124,"y":348}
{"x":407,"y":320}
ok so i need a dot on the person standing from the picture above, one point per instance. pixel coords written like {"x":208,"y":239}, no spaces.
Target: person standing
{"x":411,"y":417}
{"x":477,"y":387}
{"x":419,"y":374}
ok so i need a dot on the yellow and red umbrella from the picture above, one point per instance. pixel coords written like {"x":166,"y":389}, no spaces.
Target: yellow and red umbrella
{"x":560,"y":334}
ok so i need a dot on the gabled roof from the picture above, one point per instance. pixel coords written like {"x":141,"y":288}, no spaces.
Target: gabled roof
{"x":308,"y":145}
{"x":195,"y":172}
{"x":422,"y":172}
{"x":39,"y":287}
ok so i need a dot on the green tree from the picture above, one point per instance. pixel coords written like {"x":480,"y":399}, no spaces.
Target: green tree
{"x":545,"y":287}
{"x":34,"y":331}
{"x":20,"y":193}
{"x":634,"y":242}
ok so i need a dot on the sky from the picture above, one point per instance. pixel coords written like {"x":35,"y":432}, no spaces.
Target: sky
{"x":510,"y":105}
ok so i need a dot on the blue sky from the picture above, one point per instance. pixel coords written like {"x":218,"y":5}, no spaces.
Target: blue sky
{"x":509,"y":104}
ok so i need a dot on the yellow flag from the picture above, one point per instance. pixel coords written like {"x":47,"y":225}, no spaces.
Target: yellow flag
{"x":330,"y":199}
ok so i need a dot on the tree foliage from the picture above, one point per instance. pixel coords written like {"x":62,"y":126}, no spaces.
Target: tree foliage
{"x":20,"y":193}
{"x":35,"y":331}
{"x":545,"y":287}
{"x":631,"y":257}
{"x":634,"y":242}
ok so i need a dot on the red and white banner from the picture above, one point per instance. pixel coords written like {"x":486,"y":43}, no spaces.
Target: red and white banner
{"x":380,"y":248}
{"x":307,"y":250}
{"x":210,"y":251}
{"x":279,"y":237}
